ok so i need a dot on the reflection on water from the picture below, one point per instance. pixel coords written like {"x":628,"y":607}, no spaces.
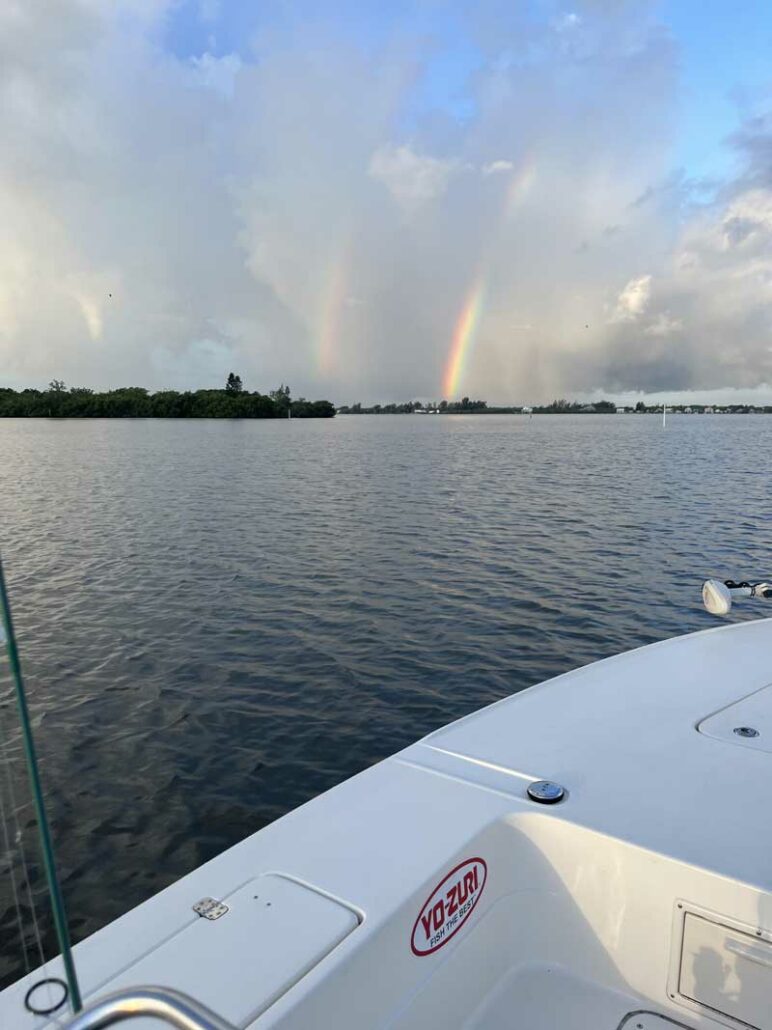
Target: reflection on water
{"x":219,"y":620}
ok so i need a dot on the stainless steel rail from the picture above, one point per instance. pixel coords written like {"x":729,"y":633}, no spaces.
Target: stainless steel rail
{"x":162,"y":1003}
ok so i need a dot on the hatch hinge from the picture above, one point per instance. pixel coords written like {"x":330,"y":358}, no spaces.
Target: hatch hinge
{"x":210,"y":908}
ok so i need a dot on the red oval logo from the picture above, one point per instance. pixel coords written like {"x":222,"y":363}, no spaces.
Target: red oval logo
{"x":449,"y":906}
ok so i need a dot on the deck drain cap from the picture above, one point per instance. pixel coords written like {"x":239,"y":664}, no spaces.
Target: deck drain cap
{"x":546,"y":792}
{"x":745,"y":731}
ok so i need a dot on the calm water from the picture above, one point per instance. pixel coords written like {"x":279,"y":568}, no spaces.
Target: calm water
{"x":219,"y":620}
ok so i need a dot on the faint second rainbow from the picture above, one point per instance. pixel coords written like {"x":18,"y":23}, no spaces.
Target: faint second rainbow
{"x":331,"y":308}
{"x":464,"y":336}
{"x":520,"y":185}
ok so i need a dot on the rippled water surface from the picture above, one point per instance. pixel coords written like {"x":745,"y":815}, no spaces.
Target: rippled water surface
{"x":218,"y":620}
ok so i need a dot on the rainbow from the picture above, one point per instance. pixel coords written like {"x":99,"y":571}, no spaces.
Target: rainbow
{"x":517,"y":190}
{"x":463,"y":338}
{"x":331,"y":310}
{"x":520,"y":185}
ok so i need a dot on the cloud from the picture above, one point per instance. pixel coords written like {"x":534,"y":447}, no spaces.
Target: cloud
{"x":748,"y":219}
{"x":567,"y":22}
{"x":218,"y":73}
{"x":633,"y":300}
{"x":663,"y":325}
{"x":497,"y":167}
{"x":305,"y":210}
{"x":706,"y":326}
{"x":411,"y":178}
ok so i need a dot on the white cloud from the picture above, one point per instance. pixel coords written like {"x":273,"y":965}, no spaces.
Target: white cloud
{"x":218,"y":73}
{"x":663,"y":325}
{"x":497,"y":167}
{"x":633,"y":300}
{"x":567,"y":22}
{"x":411,"y":178}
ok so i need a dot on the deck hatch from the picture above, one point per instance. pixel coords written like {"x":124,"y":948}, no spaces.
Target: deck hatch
{"x":745,"y":723}
{"x":276,"y":930}
{"x":727,"y":971}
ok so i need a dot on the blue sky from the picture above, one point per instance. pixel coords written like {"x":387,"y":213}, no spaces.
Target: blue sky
{"x":724,"y":53}
{"x":239,"y":26}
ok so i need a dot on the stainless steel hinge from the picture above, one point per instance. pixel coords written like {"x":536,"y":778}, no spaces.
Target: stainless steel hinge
{"x":210,"y":908}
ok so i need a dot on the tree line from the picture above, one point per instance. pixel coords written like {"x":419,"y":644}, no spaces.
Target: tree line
{"x":559,"y":406}
{"x":467,"y":406}
{"x":408,"y":407}
{"x":233,"y":401}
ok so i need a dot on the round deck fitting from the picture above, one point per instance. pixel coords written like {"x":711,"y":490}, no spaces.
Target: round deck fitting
{"x":745,"y":731}
{"x":546,"y":792}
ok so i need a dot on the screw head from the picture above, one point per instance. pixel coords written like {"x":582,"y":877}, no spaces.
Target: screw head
{"x":745,"y":731}
{"x":545,"y":792}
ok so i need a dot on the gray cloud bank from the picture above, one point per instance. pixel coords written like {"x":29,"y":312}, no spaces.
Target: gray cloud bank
{"x":297,"y":215}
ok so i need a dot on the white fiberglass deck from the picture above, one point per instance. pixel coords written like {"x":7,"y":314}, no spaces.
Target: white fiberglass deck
{"x":429,"y":891}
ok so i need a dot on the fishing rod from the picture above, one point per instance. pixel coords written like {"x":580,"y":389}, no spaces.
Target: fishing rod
{"x":717,"y":595}
{"x":52,"y":880}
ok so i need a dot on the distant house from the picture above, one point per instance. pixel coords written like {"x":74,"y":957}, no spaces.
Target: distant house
{"x":527,"y":410}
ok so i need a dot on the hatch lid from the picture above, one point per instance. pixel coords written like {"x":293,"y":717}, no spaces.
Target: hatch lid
{"x":269,"y":934}
{"x":747,"y":722}
{"x":726,"y":970}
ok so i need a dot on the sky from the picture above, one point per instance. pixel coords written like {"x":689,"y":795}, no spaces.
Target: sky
{"x":378,"y":202}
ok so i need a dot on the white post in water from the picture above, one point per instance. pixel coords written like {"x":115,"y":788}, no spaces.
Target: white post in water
{"x":664,"y":415}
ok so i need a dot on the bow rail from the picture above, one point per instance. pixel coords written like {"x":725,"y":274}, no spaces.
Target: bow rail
{"x":171,"y":1007}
